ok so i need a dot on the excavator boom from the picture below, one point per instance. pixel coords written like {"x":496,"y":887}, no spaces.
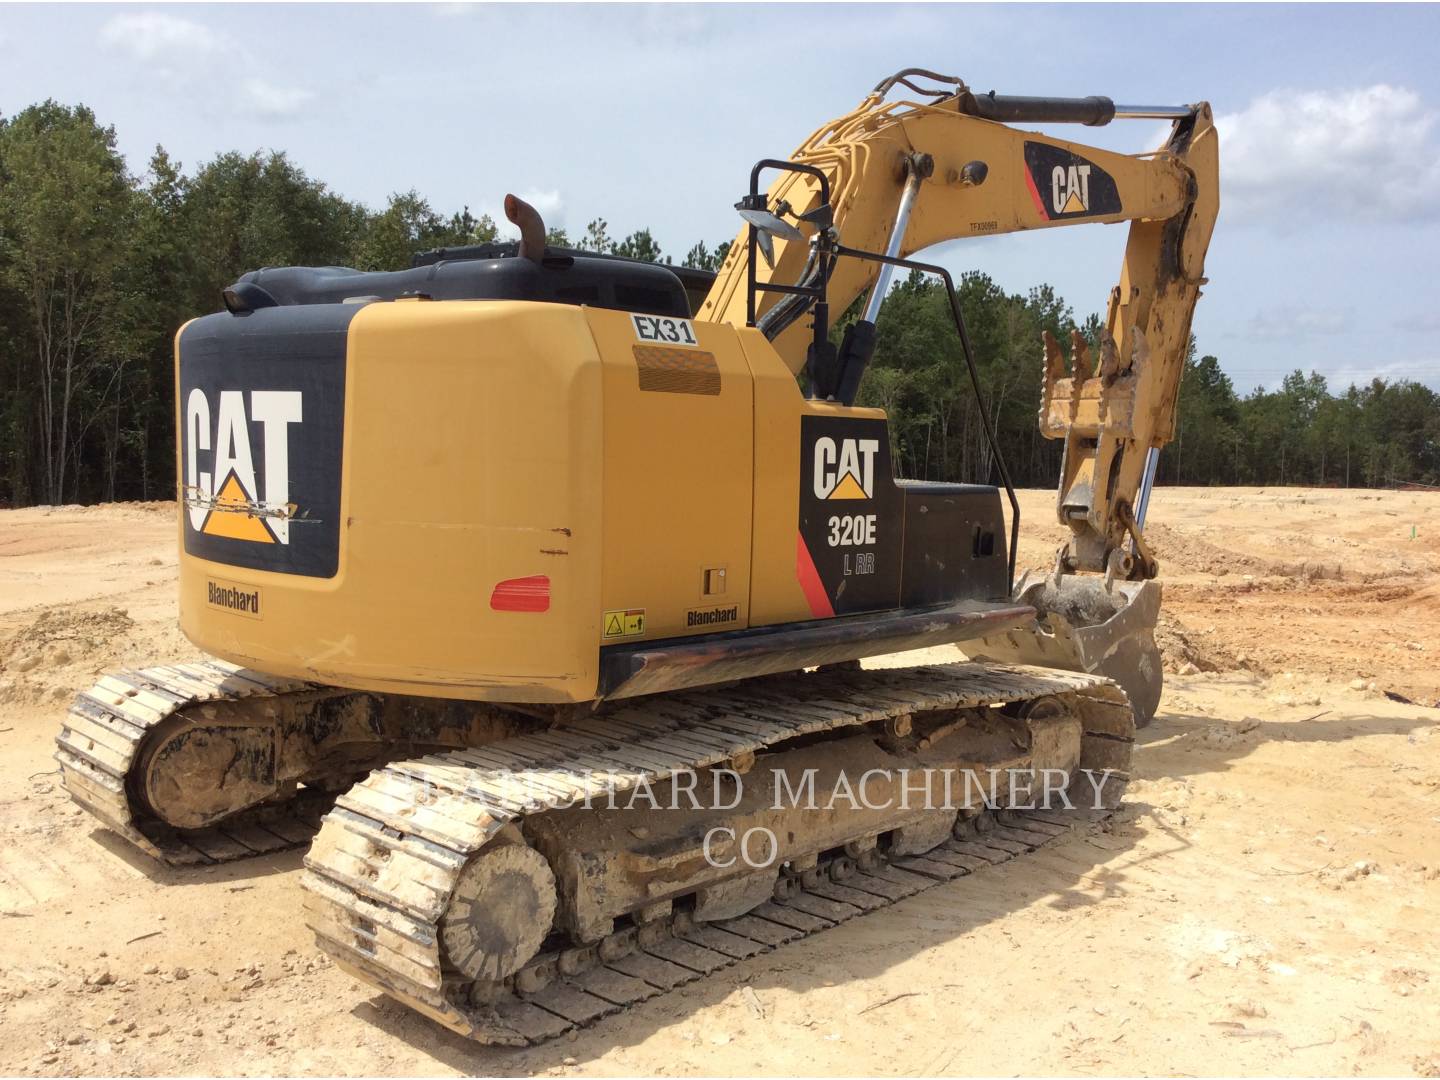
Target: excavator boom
{"x":900,"y":177}
{"x":950,"y":168}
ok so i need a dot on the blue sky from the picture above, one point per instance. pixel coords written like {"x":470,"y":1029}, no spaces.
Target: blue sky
{"x":1324,"y":257}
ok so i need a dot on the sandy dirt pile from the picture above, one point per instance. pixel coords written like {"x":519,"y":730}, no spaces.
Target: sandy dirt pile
{"x":1264,"y":904}
{"x":37,"y":658}
{"x":1343,"y":585}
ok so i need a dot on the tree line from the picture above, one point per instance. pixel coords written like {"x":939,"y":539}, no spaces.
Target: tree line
{"x":1301,"y":432}
{"x":99,"y":265}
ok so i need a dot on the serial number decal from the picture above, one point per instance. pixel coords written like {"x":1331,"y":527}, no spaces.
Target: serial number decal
{"x":984,"y":226}
{"x":863,"y":562}
{"x":664,"y":330}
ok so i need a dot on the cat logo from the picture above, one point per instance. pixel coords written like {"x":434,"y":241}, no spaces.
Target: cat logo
{"x":846,"y":470}
{"x":1070,"y":189}
{"x":1065,"y":185}
{"x":225,"y":500}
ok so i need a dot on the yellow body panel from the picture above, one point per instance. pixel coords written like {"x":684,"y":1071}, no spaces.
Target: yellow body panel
{"x":775,"y":592}
{"x":472,"y":455}
{"x":677,"y":468}
{"x":535,"y":417}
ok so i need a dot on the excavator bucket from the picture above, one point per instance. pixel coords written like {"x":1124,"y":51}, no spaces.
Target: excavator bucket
{"x":1080,"y":625}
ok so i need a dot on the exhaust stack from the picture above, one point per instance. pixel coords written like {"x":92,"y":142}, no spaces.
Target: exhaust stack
{"x":531,"y":226}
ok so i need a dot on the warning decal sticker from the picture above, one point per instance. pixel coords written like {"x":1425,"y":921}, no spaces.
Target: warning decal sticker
{"x":623,"y":624}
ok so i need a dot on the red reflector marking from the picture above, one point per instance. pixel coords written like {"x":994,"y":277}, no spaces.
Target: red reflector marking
{"x":1035,"y":194}
{"x":810,"y":583}
{"x":522,"y":594}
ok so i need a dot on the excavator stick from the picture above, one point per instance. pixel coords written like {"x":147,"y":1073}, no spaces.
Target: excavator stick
{"x":1101,"y":623}
{"x":1098,"y":610}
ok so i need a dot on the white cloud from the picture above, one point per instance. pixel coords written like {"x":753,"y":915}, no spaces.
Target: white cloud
{"x":548,"y":202}
{"x":273,"y":101}
{"x":1426,"y":371}
{"x":154,"y":36}
{"x":185,"y":54}
{"x":1368,"y":154}
{"x":1286,"y":323}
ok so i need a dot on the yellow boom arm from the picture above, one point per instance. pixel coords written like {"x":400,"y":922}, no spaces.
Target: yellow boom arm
{"x":973,"y":176}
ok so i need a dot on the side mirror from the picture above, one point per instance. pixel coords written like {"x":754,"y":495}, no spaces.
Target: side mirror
{"x":767,"y":225}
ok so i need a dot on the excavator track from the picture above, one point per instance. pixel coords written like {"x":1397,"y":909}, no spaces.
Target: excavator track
{"x":100,"y":743}
{"x":383,"y":873}
{"x":210,"y":762}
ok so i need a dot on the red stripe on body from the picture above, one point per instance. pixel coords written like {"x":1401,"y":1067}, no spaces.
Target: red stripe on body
{"x":810,"y":583}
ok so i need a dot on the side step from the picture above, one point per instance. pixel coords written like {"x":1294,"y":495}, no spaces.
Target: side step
{"x":657,"y":667}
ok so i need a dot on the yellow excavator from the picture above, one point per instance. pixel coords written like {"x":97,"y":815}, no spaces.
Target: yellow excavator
{"x":488,"y":548}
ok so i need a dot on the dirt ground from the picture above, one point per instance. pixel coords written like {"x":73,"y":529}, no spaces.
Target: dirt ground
{"x":1265,"y":904}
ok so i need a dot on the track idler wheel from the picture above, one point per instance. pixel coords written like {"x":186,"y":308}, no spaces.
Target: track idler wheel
{"x":195,"y":773}
{"x":500,"y":912}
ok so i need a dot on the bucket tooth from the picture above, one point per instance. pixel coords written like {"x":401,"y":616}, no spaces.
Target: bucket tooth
{"x":1079,"y":356}
{"x":1109,"y":357}
{"x":1054,"y":360}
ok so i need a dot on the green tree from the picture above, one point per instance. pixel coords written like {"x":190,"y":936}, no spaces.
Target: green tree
{"x":1206,"y":445}
{"x":98,"y":269}
{"x":596,"y":238}
{"x":158,"y":272}
{"x":640,"y":245}
{"x":465,"y":228}
{"x":66,"y":210}
{"x":700,"y":257}
{"x":405,"y":226}
{"x":244,"y":212}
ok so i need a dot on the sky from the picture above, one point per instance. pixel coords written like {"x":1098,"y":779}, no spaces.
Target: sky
{"x":1324,"y":257}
